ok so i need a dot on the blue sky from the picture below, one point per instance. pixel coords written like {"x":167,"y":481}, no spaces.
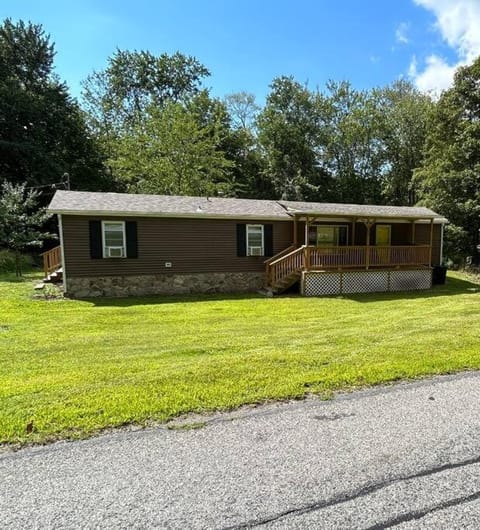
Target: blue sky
{"x":246,"y":43}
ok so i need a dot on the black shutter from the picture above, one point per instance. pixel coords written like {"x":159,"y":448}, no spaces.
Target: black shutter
{"x":131,"y":235}
{"x":241,"y":240}
{"x":268,"y":240}
{"x":96,"y":251}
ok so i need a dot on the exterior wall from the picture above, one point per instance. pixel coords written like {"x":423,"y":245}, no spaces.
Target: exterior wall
{"x":164,"y":284}
{"x":192,"y":246}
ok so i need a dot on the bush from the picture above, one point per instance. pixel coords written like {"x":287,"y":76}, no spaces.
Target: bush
{"x":456,"y":246}
{"x":7,"y":261}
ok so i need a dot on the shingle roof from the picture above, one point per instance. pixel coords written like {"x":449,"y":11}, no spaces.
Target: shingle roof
{"x":164,"y":205}
{"x":96,"y":203}
{"x":360,"y":210}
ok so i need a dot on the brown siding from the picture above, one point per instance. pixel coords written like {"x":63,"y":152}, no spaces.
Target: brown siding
{"x":191,"y":245}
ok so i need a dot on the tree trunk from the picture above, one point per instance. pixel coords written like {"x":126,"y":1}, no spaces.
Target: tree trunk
{"x":18,"y":263}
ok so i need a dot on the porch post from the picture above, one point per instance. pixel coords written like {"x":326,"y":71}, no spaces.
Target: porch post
{"x":295,"y":229}
{"x":368,"y":225}
{"x":431,"y":243}
{"x":306,"y":230}
{"x":413,"y":232}
{"x":354,"y":222}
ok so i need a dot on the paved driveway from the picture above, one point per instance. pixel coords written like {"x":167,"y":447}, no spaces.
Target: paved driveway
{"x":406,"y":456}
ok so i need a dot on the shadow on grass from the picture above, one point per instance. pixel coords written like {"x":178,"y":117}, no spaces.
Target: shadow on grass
{"x":453,"y":287}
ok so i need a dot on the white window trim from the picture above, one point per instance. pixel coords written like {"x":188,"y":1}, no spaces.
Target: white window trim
{"x":263,"y":238}
{"x":124,"y":252}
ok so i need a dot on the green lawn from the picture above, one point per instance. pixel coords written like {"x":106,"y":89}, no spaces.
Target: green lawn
{"x":74,"y":367}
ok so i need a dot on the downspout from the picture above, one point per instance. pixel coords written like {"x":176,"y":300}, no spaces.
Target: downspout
{"x":62,"y":252}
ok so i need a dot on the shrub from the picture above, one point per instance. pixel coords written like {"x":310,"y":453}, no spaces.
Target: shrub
{"x":7,"y":261}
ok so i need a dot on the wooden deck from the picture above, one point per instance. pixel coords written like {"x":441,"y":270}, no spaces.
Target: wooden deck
{"x":285,"y":268}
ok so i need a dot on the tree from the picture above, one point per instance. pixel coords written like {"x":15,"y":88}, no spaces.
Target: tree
{"x":117,"y":99}
{"x":242,"y":109}
{"x":21,"y":220}
{"x":42,"y":130}
{"x":288,"y":131}
{"x":171,"y":153}
{"x":449,"y":179}
{"x":349,"y":149}
{"x":403,"y":113}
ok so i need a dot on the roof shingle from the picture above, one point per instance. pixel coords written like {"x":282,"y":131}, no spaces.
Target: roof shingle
{"x":97,"y":203}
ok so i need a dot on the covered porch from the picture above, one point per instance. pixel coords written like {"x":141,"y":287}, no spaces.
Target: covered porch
{"x":340,"y":243}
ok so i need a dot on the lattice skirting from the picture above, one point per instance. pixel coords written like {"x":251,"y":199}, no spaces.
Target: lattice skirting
{"x":324,"y":283}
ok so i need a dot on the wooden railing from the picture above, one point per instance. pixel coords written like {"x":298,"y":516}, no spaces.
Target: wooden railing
{"x":309,"y":257}
{"x":285,"y":265}
{"x":361,"y":256}
{"x":52,"y":260}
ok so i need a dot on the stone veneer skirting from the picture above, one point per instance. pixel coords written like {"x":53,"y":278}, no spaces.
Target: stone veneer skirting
{"x":213,"y":282}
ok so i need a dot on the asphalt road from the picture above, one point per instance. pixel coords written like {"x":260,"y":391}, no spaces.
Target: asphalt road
{"x":405,"y":456}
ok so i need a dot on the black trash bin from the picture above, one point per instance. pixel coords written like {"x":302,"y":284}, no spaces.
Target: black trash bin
{"x":439,"y":275}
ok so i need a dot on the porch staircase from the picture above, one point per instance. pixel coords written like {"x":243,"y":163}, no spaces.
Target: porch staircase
{"x":52,"y":267}
{"x":285,"y":269}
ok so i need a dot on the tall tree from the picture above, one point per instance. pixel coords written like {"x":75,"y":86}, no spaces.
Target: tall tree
{"x":288,"y":129}
{"x":42,"y":131}
{"x":404,"y":114}
{"x":449,"y":179}
{"x":172,"y":153}
{"x":349,"y":148}
{"x":117,"y":98}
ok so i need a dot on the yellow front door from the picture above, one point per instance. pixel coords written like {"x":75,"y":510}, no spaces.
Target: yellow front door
{"x":383,"y":239}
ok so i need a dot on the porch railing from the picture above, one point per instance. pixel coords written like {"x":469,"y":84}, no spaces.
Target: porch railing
{"x":52,"y":260}
{"x":361,"y":256}
{"x":286,"y":263}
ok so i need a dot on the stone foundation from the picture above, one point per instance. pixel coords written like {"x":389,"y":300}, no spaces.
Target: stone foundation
{"x":215,"y":282}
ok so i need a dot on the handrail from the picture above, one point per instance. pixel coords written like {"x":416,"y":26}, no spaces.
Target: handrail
{"x":52,"y":260}
{"x":282,"y":267}
{"x":280,"y":254}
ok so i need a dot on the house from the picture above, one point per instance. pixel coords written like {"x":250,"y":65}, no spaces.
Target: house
{"x":115,"y":244}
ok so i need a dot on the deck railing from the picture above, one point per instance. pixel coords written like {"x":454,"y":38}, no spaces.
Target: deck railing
{"x":353,"y":257}
{"x":284,"y":265}
{"x":361,"y":256}
{"x":52,"y":260}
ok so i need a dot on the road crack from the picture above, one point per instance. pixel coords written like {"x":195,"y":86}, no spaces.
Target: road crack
{"x":363,"y":492}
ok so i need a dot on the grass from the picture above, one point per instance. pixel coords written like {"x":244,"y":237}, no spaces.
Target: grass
{"x":70,"y":368}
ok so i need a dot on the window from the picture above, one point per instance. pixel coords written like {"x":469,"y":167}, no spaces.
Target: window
{"x":255,"y":240}
{"x":328,"y":236}
{"x":113,"y":233}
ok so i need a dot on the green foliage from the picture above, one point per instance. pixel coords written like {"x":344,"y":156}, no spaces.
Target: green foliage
{"x":21,"y":221}
{"x":403,"y":114}
{"x":172,"y":153}
{"x":449,"y":180}
{"x":42,"y":130}
{"x":117,"y":98}
{"x":8,"y":261}
{"x":455,"y":245}
{"x":200,"y":353}
{"x":288,"y":133}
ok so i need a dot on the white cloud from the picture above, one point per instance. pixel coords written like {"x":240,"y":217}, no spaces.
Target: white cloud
{"x":401,"y":34}
{"x":458,"y":22}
